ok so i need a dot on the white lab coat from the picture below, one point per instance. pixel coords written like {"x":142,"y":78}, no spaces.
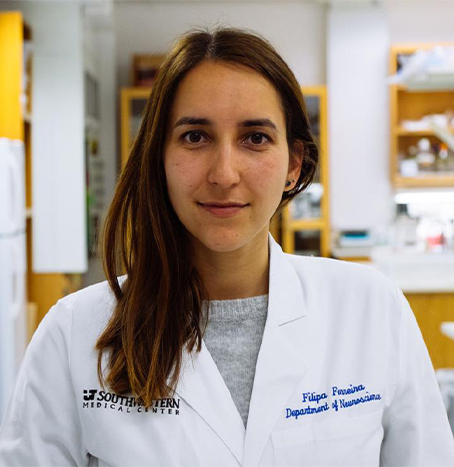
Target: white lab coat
{"x":343,"y":378}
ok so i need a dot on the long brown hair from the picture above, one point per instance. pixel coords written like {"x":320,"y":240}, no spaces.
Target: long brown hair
{"x":159,"y":304}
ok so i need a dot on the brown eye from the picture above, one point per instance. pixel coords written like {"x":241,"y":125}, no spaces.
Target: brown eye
{"x":257,"y":139}
{"x":193,"y":137}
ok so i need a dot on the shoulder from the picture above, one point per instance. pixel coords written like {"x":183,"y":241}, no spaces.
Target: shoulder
{"x":358,"y":299}
{"x":92,"y":296}
{"x":85,"y":312}
{"x":343,"y":279}
{"x":329,"y":268}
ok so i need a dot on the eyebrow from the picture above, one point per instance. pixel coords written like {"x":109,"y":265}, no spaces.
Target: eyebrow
{"x":266,"y":122}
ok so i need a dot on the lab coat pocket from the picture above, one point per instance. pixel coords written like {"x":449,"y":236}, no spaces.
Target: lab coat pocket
{"x":338,"y":441}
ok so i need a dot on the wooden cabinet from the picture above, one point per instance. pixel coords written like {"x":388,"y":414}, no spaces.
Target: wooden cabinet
{"x":430,"y":311}
{"x":133,"y":101}
{"x":305,"y":221}
{"x":16,"y":122}
{"x":13,"y":34}
{"x":413,"y":105}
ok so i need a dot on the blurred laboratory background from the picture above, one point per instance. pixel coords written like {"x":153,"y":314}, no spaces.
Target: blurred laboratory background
{"x":378,"y":78}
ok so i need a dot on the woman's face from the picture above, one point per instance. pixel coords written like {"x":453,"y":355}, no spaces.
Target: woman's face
{"x":226,"y":143}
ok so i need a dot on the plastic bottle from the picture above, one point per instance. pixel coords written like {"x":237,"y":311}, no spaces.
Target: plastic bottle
{"x":406,"y":228}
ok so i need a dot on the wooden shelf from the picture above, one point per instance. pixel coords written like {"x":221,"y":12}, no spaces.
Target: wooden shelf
{"x":409,"y":48}
{"x":132,"y":99}
{"x":399,"y":131}
{"x":409,"y":104}
{"x":305,"y":224}
{"x":402,"y":88}
{"x":428,"y":181}
{"x":144,"y":69}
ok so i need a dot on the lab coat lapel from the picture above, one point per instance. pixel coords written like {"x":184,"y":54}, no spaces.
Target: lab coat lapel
{"x":279,"y":366}
{"x":202,"y":387}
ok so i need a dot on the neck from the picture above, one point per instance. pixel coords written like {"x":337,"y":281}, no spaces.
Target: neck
{"x":235,"y":274}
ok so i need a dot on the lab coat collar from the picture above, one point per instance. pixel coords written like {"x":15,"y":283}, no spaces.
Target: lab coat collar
{"x":279,"y":369}
{"x":280,"y":366}
{"x":285,"y":292}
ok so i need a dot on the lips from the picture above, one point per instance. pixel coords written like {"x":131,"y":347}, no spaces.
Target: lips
{"x":224,"y":205}
{"x":224,"y":210}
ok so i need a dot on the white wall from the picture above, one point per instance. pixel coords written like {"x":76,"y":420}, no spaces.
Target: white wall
{"x":420,"y":21}
{"x":100,"y":59}
{"x":296,"y":29}
{"x":58,"y":172}
{"x":358,"y":45}
{"x":106,"y":55}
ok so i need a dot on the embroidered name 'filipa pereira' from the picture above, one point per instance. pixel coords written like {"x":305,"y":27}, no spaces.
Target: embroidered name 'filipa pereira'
{"x":338,"y":400}
{"x":313,"y":396}
{"x":345,"y":391}
{"x":95,"y":399}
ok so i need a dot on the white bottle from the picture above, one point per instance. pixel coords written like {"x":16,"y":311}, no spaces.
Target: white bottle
{"x":406,"y":229}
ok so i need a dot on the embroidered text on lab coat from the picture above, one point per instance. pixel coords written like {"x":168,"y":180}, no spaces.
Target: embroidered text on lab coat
{"x":339,"y":398}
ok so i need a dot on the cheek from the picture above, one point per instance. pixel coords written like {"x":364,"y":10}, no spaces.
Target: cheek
{"x":269,"y":175}
{"x":181,"y":175}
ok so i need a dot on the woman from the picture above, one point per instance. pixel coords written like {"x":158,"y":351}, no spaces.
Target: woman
{"x":304,"y":361}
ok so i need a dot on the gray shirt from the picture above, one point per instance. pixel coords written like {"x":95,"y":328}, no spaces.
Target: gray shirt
{"x":233,"y":338}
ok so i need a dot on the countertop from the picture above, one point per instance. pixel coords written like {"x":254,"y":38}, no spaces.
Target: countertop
{"x":416,"y":272}
{"x":412,"y":271}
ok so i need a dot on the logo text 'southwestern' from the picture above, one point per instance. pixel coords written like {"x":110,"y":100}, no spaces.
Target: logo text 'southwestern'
{"x":95,"y":399}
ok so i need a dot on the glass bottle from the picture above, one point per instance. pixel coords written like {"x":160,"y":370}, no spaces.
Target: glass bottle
{"x":425,"y":156}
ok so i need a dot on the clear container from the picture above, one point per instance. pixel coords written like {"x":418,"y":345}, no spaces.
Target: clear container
{"x":425,"y":156}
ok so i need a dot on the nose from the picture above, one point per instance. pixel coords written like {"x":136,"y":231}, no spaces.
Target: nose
{"x":224,"y":170}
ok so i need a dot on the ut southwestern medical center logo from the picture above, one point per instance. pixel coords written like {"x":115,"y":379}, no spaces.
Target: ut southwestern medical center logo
{"x":96,"y":399}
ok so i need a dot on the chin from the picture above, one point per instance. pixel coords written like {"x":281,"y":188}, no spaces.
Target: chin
{"x":221,"y":242}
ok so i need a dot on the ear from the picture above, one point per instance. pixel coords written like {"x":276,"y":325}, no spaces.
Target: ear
{"x":295,"y":163}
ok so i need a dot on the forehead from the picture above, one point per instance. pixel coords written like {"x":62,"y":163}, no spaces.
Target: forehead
{"x":223,"y":91}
